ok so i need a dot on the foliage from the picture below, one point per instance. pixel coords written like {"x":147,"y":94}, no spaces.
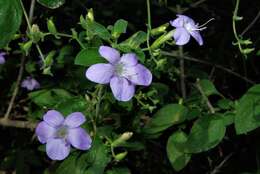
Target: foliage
{"x":191,"y":119}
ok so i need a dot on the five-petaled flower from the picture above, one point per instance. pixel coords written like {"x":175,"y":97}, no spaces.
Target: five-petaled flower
{"x":186,"y":27}
{"x":30,"y":84}
{"x":59,"y":134}
{"x":123,"y":73}
{"x":2,"y":58}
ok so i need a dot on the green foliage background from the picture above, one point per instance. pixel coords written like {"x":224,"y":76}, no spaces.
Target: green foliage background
{"x":212,"y":128}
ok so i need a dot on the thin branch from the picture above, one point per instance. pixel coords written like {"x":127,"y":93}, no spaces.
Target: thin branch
{"x":205,"y":98}
{"x":16,"y":88}
{"x":210,"y":64}
{"x":20,"y":74}
{"x":182,"y":75}
{"x":218,"y":167}
{"x":193,"y":5}
{"x":17,"y":124}
{"x":182,"y":68}
{"x":31,"y":11}
{"x":251,"y":24}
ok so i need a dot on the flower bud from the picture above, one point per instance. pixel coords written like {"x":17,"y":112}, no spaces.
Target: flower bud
{"x":51,"y":26}
{"x":162,"y":39}
{"x":120,"y":156}
{"x":26,"y":46}
{"x":159,"y":30}
{"x":124,"y":137}
{"x":35,"y":34}
{"x":90,"y":15}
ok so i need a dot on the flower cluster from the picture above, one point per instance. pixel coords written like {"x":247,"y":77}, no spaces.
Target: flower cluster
{"x":59,"y":134}
{"x":122,"y":72}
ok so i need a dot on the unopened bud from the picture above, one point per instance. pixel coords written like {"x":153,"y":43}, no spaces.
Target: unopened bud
{"x":51,"y":26}
{"x":162,"y":39}
{"x":120,"y":156}
{"x":35,"y":34}
{"x":159,"y":30}
{"x":90,"y":15}
{"x":124,"y":137}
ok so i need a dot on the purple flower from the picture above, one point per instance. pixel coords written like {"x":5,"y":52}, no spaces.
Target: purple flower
{"x":2,"y":58}
{"x":30,"y":84}
{"x":123,"y":73}
{"x":186,"y":27}
{"x":59,"y":134}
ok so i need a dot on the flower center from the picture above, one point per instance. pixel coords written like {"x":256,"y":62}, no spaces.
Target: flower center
{"x":119,"y":68}
{"x":62,"y":132}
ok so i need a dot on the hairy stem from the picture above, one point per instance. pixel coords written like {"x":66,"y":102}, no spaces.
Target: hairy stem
{"x":205,"y":98}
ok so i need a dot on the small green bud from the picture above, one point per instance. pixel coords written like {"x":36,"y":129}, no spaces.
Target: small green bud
{"x":35,"y":28}
{"x":248,"y":50}
{"x":90,"y":15}
{"x":26,"y":46}
{"x":124,"y":137}
{"x":162,"y":39}
{"x":35,"y":34}
{"x":120,"y":156}
{"x":159,"y":30}
{"x":49,"y":59}
{"x":51,"y":26}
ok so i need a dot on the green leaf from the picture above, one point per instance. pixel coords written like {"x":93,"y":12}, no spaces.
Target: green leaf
{"x":98,"y":29}
{"x":76,"y":104}
{"x":166,"y":117}
{"x":119,"y":171}
{"x":177,"y":158}
{"x":119,"y":28}
{"x":248,"y":111}
{"x":88,"y":57}
{"x":206,"y":133}
{"x":135,"y":40}
{"x":97,"y":158}
{"x":69,"y":165}
{"x":49,"y":98}
{"x":11,"y":16}
{"x":208,"y":87}
{"x":52,"y":4}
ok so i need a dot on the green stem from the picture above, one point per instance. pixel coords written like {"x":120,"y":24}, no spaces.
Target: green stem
{"x":80,"y":43}
{"x":40,"y":52}
{"x":149,"y":28}
{"x":234,"y":18}
{"x":64,"y":35}
{"x":26,"y":16}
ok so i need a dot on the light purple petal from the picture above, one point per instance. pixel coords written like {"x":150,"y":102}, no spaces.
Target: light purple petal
{"x":57,"y":149}
{"x":2,"y":59}
{"x":181,"y":20}
{"x":196,"y":35}
{"x":129,"y":59}
{"x":122,"y":89}
{"x":74,"y":120}
{"x":79,"y":139}
{"x":100,"y":73}
{"x":139,"y":75}
{"x":111,"y":54}
{"x":181,"y":36}
{"x":53,"y":118}
{"x":30,"y":84}
{"x":44,"y":132}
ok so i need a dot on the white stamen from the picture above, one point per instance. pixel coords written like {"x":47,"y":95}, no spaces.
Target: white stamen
{"x":200,"y":26}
